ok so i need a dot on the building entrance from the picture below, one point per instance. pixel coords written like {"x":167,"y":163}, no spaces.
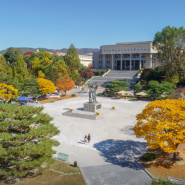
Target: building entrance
{"x":118,"y":65}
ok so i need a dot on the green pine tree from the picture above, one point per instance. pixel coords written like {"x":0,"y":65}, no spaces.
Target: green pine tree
{"x":31,"y":87}
{"x":50,"y":74}
{"x":3,"y":65}
{"x":20,"y":69}
{"x":26,"y":141}
{"x":72,"y":59}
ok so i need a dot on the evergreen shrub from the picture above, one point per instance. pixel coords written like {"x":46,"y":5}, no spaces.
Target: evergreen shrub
{"x":149,"y":157}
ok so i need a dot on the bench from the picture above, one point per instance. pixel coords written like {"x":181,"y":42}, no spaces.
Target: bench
{"x":52,"y":101}
{"x":62,"y":157}
{"x":101,"y":95}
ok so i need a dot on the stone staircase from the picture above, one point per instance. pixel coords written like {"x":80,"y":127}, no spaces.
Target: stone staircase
{"x":128,"y":76}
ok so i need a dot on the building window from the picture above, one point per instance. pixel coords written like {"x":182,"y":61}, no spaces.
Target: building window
{"x":137,"y":48}
{"x":104,"y":49}
{"x":131,"y":49}
{"x":148,"y":48}
{"x":118,"y":49}
{"x":109,"y":49}
{"x":115,"y":49}
{"x":141,"y":48}
{"x":121,"y":49}
{"x":112,"y":49}
{"x":144,"y":48}
{"x":134,"y":48}
{"x":125,"y":49}
{"x":144,"y":61}
{"x":153,"y":48}
{"x":128,"y":49}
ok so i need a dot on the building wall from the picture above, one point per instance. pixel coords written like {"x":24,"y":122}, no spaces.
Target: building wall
{"x":107,"y":57}
{"x":84,"y":59}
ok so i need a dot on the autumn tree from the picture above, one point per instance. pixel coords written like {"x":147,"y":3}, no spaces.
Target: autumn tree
{"x":65,"y":84}
{"x":88,"y":73}
{"x":20,"y":69}
{"x":171,"y":51}
{"x":9,"y":80}
{"x":26,"y":139}
{"x":46,"y":86}
{"x":162,"y":124}
{"x":60,"y":69}
{"x":7,"y":92}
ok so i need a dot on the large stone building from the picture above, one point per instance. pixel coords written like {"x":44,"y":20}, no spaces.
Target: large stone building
{"x":84,"y":59}
{"x":126,"y":56}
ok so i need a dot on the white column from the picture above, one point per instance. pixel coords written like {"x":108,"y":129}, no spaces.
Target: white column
{"x":112,"y":61}
{"x":121,"y":63}
{"x":140,"y":61}
{"x":150,"y":60}
{"x":130,"y":61}
{"x":103,"y":61}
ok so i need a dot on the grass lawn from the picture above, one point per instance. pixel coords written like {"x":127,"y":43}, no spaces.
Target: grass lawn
{"x":164,"y":166}
{"x":71,"y":175}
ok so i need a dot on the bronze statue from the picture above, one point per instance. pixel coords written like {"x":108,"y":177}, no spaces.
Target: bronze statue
{"x":92,"y":91}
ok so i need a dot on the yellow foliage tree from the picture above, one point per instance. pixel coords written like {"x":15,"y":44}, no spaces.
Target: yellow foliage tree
{"x":162,"y":123}
{"x":174,"y":79}
{"x":41,"y":74}
{"x":46,"y":86}
{"x":7,"y":92}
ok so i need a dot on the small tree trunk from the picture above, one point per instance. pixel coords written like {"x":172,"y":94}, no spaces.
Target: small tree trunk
{"x":65,"y":93}
{"x":174,"y":155}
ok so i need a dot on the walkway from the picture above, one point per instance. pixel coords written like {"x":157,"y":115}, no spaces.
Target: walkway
{"x":109,"y":157}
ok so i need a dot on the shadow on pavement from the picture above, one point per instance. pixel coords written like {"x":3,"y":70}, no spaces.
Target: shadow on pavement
{"x":120,"y":152}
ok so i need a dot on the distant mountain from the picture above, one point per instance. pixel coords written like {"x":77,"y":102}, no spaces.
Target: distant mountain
{"x":81,"y":51}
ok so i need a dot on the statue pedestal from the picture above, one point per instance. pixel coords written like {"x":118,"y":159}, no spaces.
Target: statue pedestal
{"x":92,"y":107}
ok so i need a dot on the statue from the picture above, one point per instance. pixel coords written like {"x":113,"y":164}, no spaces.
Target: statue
{"x":92,"y":91}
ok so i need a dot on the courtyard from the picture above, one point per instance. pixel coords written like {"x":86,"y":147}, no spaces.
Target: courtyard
{"x":109,"y":157}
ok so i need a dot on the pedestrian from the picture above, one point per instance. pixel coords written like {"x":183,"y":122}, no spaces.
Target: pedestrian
{"x":85,"y":139}
{"x":89,"y":138}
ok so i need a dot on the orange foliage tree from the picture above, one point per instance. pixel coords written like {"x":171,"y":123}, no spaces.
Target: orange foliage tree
{"x":162,"y":123}
{"x":65,"y":84}
{"x":46,"y":86}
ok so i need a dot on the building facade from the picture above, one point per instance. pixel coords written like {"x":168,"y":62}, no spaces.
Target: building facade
{"x":84,"y":59}
{"x":126,"y":56}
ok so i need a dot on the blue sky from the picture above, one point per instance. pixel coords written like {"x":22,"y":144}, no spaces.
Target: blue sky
{"x":55,"y":24}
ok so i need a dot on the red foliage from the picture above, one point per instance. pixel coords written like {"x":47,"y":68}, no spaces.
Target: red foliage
{"x":73,"y":68}
{"x":28,"y":53}
{"x":79,"y":80}
{"x":88,"y":73}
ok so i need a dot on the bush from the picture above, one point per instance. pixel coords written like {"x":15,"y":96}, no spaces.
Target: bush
{"x":158,"y":91}
{"x":149,"y":157}
{"x":147,"y":74}
{"x":162,"y":182}
{"x":73,"y":95}
{"x":88,"y":73}
{"x":79,"y":80}
{"x":137,"y":88}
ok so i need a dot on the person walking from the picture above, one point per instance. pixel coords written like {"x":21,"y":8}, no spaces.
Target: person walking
{"x":85,"y":139}
{"x":89,"y":138}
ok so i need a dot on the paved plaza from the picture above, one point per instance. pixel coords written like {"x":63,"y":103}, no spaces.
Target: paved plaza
{"x":109,"y":157}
